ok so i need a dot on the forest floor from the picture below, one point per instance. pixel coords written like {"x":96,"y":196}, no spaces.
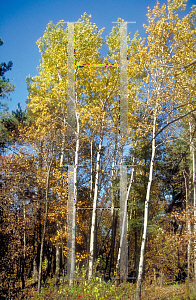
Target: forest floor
{"x":99,"y":289}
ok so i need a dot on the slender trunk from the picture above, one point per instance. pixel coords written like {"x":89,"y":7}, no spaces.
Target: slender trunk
{"x":61,"y":165}
{"x":113,"y":238}
{"x":95,"y":238}
{"x":24,"y":214}
{"x":44,"y":229}
{"x":71,"y":110}
{"x":143,"y":245}
{"x":91,"y":203}
{"x":57,"y":262}
{"x":124,"y":219}
{"x":35,"y":272}
{"x":63,"y":143}
{"x":135,"y":255}
{"x":189,"y":231}
{"x":92,"y":237}
{"x":63,"y":260}
{"x":57,"y":271}
{"x":91,"y":255}
{"x":194,"y":197}
{"x":194,"y":203}
{"x":24,"y":249}
{"x":34,"y":264}
{"x":38,"y":217}
{"x":73,"y":244}
{"x":188,"y":226}
{"x":114,"y":218}
{"x":125,"y":214}
{"x":91,"y":188}
{"x":57,"y":242}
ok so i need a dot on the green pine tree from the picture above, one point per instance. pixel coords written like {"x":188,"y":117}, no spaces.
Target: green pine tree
{"x":5,"y":86}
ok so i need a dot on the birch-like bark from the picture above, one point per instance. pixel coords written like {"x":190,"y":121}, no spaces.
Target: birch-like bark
{"x":125,"y":213}
{"x":91,"y":200}
{"x":189,"y":231}
{"x":113,"y":213}
{"x":64,"y":126}
{"x":194,"y":199}
{"x":72,"y":119}
{"x":63,"y":143}
{"x":91,"y":188}
{"x":91,"y":255}
{"x":44,"y":229}
{"x":57,"y":256}
{"x":57,"y":245}
{"x":57,"y":262}
{"x":92,"y":236}
{"x":73,"y":249}
{"x":143,"y":245}
{"x":188,"y":225}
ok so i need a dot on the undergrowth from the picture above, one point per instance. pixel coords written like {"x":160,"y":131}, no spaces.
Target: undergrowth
{"x":100,"y":289}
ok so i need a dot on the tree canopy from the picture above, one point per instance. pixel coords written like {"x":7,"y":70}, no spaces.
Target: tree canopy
{"x":68,"y":148}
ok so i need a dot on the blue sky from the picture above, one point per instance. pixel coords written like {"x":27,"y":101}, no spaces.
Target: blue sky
{"x":22,"y":22}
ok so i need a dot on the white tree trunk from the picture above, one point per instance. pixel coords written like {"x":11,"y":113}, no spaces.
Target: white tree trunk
{"x":188,"y":224}
{"x":125,"y":214}
{"x":92,"y":236}
{"x":113,"y":175}
{"x":194,"y":199}
{"x":91,"y":188}
{"x":63,"y":143}
{"x":189,"y":232}
{"x":73,"y":248}
{"x":57,"y":261}
{"x":143,"y":245}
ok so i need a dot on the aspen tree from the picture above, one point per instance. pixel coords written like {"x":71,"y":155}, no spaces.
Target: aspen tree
{"x":163,"y":56}
{"x":47,"y":100}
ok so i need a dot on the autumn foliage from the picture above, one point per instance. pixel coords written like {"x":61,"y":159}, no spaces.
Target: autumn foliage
{"x":161,"y":138}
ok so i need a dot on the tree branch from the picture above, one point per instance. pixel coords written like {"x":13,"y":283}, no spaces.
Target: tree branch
{"x":173,"y":121}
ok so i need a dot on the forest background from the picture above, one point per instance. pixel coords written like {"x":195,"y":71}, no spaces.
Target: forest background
{"x":37,"y":147}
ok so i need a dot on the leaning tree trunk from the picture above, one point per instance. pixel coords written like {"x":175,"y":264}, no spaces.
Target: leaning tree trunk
{"x":143,"y":245}
{"x":44,"y":229}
